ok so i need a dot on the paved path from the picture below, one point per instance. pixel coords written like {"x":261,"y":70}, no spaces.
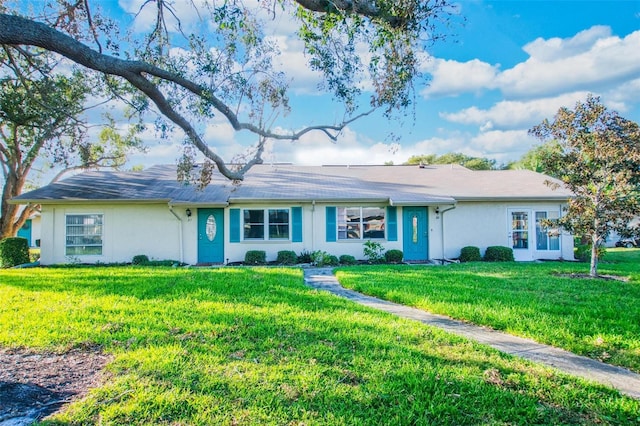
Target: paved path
{"x":625,"y":381}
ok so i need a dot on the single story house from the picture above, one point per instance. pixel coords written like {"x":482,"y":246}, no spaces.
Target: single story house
{"x":428,"y":212}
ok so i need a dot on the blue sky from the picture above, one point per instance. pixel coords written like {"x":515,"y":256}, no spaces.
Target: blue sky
{"x":512,"y":64}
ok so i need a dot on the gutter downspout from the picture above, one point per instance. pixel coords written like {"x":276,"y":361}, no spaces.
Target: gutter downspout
{"x":179,"y":232}
{"x":442,"y":212}
{"x":313,"y":225}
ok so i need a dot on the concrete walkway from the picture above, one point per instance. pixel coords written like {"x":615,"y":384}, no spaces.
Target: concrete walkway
{"x":627,"y":382}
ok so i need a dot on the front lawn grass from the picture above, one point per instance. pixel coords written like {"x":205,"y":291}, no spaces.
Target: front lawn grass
{"x":255,"y":346}
{"x":593,"y":317}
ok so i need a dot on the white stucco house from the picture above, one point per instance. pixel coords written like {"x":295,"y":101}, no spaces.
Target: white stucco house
{"x":428,"y":212}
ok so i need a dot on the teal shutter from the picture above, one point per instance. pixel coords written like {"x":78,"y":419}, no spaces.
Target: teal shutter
{"x":296,"y":224}
{"x":234,"y":225}
{"x":392,"y":223}
{"x":331,"y":224}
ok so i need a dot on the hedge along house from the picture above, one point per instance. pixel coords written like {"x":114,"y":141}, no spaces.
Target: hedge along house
{"x":427,"y":212}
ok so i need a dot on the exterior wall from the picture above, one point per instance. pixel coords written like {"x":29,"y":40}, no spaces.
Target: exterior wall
{"x":153,"y":230}
{"x":313,"y":236}
{"x":128,"y":230}
{"x":484,"y":224}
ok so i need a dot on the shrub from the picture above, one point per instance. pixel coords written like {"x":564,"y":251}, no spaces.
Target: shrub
{"x":14,"y":251}
{"x":470,"y":254}
{"x":305,"y":257}
{"x":255,"y":257}
{"x":373,"y":251}
{"x":331,"y":260}
{"x":393,"y":256}
{"x":287,"y":257}
{"x":347,"y":259}
{"x":322,"y":258}
{"x":140,"y":259}
{"x":498,"y":254}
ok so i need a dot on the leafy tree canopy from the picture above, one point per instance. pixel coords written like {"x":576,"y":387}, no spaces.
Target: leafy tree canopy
{"x":224,"y":64}
{"x":597,"y":156}
{"x":535,"y":158}
{"x":473,"y":163}
{"x":40,"y":119}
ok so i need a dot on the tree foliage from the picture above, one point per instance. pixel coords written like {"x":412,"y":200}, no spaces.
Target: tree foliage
{"x":473,"y":163}
{"x":598,"y":158}
{"x":224,"y":65}
{"x":536,"y":158}
{"x":40,"y":120}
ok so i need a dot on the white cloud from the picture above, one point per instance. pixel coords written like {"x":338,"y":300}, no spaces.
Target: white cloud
{"x":450,"y":78}
{"x":556,"y":48}
{"x":514,"y":114}
{"x":591,"y":60}
{"x":588,"y":60}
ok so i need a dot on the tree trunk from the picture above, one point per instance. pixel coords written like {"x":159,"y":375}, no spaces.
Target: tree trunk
{"x":593,"y":271}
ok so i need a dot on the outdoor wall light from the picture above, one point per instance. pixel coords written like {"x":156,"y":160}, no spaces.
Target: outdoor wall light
{"x":437,"y":209}
{"x":188,"y":212}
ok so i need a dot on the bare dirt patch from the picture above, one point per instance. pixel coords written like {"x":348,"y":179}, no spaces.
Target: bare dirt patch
{"x":35,"y":385}
{"x":601,"y":277}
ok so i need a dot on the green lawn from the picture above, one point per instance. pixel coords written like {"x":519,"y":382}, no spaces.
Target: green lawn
{"x":593,"y":317}
{"x":255,"y":346}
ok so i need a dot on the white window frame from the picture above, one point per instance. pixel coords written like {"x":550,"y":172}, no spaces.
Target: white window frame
{"x":361,"y":224}
{"x":266,"y":224}
{"x":67,"y":246}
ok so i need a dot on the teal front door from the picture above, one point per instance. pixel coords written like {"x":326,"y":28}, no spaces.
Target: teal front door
{"x":415,"y":235}
{"x":210,"y":235}
{"x":25,"y":231}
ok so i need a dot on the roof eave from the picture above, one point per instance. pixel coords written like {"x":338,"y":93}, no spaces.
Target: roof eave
{"x":514,"y":199}
{"x":90,"y":201}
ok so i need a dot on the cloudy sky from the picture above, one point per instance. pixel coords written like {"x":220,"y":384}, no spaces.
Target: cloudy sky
{"x":509,"y":66}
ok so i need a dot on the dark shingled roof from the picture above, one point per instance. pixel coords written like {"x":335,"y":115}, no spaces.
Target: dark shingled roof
{"x":399,"y":185}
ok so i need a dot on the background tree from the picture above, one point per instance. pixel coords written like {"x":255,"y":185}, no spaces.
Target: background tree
{"x":473,"y":163}
{"x":535,"y":158}
{"x":225,"y":66}
{"x":598,"y":158}
{"x":41,"y":122}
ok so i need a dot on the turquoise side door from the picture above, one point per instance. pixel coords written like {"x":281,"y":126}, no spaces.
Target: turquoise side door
{"x":25,"y":231}
{"x":415,"y":235}
{"x":210,"y":235}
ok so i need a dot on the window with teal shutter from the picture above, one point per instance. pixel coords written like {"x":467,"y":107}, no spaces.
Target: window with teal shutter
{"x":392,"y":223}
{"x":296,"y":223}
{"x":234,"y":225}
{"x":331,"y":224}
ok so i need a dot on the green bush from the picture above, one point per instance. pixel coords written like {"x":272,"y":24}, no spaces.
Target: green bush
{"x":373,"y":251}
{"x":305,"y":257}
{"x":393,"y":256}
{"x":140,"y":259}
{"x":322,"y":258}
{"x":498,"y":254}
{"x":347,"y":259}
{"x":331,"y":260}
{"x":14,"y":251}
{"x":255,"y":257}
{"x":287,"y":257}
{"x":470,"y":254}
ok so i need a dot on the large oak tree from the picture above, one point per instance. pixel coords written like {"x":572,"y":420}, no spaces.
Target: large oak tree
{"x":596,"y":153}
{"x":364,"y":49}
